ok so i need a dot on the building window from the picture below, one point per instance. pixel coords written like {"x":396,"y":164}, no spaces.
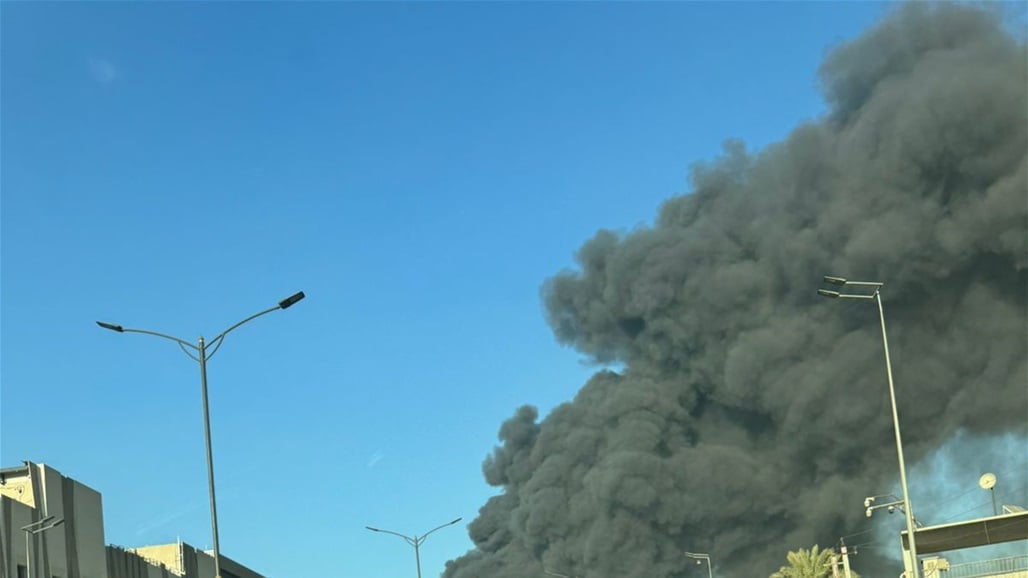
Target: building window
{"x":21,"y":572}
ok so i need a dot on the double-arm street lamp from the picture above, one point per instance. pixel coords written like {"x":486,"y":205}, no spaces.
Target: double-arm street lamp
{"x":699,"y":558}
{"x":37,"y":527}
{"x":204,"y":351}
{"x":416,"y":541}
{"x":875,"y":289}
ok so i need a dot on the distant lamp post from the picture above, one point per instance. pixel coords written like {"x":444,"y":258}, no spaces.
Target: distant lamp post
{"x":205,"y":351}
{"x":416,"y":541}
{"x":699,"y":560}
{"x":876,"y":294}
{"x":37,"y":527}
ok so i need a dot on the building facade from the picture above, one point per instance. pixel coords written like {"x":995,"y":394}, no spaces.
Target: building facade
{"x":70,"y":546}
{"x":51,"y":526}
{"x":182,"y":560}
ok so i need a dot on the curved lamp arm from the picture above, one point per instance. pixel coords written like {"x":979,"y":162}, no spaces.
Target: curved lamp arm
{"x":183,"y":344}
{"x":43,"y":525}
{"x":414,"y":540}
{"x":440,"y":527}
{"x":215,"y":343}
{"x":408,"y":539}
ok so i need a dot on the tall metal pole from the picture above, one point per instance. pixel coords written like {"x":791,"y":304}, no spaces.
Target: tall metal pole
{"x":417,"y":554}
{"x":845,"y":560}
{"x":908,"y":511}
{"x":202,"y":354}
{"x":28,"y":558}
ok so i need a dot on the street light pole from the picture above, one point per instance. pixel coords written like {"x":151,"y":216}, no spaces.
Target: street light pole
{"x":202,"y":355}
{"x":876,"y":287}
{"x":415,"y":541}
{"x":698,"y":557}
{"x":201,"y":351}
{"x":32,"y":529}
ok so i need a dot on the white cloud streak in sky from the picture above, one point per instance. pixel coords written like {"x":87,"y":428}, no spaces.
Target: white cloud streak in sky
{"x":102,"y":71}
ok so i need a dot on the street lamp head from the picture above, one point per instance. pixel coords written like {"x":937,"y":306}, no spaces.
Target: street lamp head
{"x":291,"y":300}
{"x":869,"y":501}
{"x":868,"y":512}
{"x":834,"y":280}
{"x":43,"y":525}
{"x":455,"y":521}
{"x":111,"y":326}
{"x":373,"y":529}
{"x":827,"y":293}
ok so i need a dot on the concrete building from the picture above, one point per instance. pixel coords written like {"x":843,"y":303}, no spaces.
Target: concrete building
{"x":122,"y":563}
{"x":181,"y":560}
{"x":72,"y":543}
{"x":177,"y":560}
{"x":73,"y":549}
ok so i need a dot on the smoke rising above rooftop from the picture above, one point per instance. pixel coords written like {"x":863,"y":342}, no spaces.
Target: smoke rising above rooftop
{"x":752,"y":417}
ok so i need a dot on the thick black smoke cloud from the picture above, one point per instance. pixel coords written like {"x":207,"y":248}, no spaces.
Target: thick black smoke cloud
{"x":752,"y":417}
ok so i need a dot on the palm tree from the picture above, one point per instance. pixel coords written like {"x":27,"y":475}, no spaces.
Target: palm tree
{"x":813,"y":563}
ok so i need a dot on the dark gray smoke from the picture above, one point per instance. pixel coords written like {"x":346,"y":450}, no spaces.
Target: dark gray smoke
{"x":751,"y":416}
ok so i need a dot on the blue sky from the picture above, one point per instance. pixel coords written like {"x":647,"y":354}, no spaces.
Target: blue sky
{"x":418,"y":169}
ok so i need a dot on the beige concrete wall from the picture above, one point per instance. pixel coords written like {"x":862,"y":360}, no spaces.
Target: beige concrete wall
{"x":168,"y":555}
{"x":74,"y":549}
{"x":14,"y":548}
{"x":80,"y":540}
{"x":229,"y":567}
{"x":19,"y":490}
{"x":89,"y":532}
{"x":188,"y":562}
{"x":122,"y":563}
{"x":50,"y":502}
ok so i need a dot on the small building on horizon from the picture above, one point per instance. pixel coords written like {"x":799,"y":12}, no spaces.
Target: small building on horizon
{"x":177,"y":559}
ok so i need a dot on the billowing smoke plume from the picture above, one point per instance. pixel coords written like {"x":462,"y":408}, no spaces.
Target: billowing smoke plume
{"x":752,"y":416}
